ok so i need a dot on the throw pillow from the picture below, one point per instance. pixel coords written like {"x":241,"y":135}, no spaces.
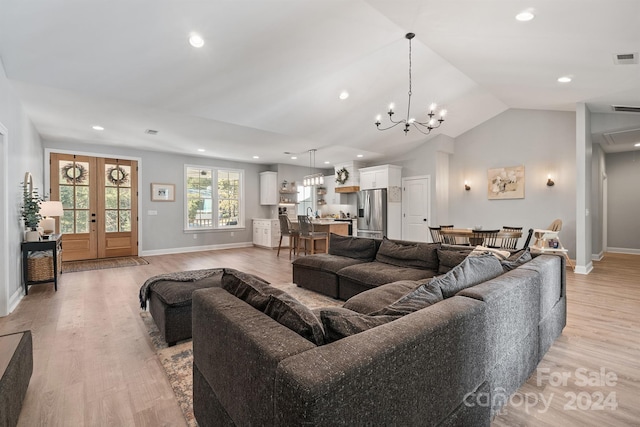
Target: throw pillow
{"x":289,"y":312}
{"x":472,"y":271}
{"x":426,"y":295}
{"x":340,"y":322}
{"x":408,"y":254}
{"x":273,"y":302}
{"x":516,"y":260}
{"x":448,"y":259}
{"x":251,"y":289}
{"x":352,"y":247}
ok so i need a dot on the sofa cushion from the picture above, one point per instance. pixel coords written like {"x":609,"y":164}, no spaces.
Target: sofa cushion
{"x":374,"y":299}
{"x":340,"y":322}
{"x":326,"y":262}
{"x":275,"y":303}
{"x":472,"y":271}
{"x":516,"y":259}
{"x":447,"y":259}
{"x":375,"y":273}
{"x":352,"y":247}
{"x":289,"y":312}
{"x":178,"y":293}
{"x":408,"y":254}
{"x":427,"y":294}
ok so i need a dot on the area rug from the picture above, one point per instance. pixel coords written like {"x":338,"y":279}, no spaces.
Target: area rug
{"x":100,"y":264}
{"x":177,"y":361}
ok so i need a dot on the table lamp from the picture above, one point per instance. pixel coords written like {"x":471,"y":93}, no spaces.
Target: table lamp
{"x":48,"y":210}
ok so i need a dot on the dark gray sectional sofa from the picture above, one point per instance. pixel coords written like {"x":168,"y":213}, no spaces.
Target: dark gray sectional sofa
{"x":454,"y":362}
{"x":354,"y":265}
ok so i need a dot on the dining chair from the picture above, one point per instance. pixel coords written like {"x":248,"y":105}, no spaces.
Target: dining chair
{"x":526,"y":242}
{"x":484,"y":237}
{"x":449,"y":240}
{"x":435,"y":234}
{"x":308,"y":235}
{"x":286,"y":229}
{"x":510,"y":242}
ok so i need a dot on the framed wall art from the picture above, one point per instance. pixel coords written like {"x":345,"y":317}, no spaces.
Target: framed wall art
{"x":163,"y":192}
{"x":505,"y":183}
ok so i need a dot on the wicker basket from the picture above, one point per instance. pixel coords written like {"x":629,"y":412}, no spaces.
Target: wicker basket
{"x":40,"y":266}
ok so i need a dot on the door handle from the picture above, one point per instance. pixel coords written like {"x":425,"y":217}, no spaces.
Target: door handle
{"x":93,"y":220}
{"x":424,"y":219}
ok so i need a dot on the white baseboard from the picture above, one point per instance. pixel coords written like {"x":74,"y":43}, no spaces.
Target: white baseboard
{"x":15,"y":299}
{"x":586,"y":269}
{"x":598,"y":256}
{"x":196,"y":249}
{"x":624,"y":251}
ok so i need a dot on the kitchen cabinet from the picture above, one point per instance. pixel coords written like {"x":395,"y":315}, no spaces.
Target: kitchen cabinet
{"x":266,"y":232}
{"x":383,"y":176}
{"x":268,"y":188}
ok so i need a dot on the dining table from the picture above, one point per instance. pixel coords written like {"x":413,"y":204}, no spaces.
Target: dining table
{"x":469,"y":233}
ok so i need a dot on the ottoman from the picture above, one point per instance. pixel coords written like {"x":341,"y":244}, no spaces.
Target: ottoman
{"x":170,"y":305}
{"x":16,"y":366}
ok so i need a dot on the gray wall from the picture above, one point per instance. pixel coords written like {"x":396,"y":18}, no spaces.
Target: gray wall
{"x":623,"y":207}
{"x":22,"y":153}
{"x":164,"y":232}
{"x":542,"y":141}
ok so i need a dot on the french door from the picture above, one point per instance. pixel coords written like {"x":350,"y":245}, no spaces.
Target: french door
{"x":100,"y":201}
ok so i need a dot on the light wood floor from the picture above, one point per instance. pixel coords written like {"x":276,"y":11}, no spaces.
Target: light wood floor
{"x":94,"y":364}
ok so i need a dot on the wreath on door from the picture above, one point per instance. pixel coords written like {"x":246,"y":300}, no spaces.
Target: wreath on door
{"x":117,"y":175}
{"x":342,"y":175}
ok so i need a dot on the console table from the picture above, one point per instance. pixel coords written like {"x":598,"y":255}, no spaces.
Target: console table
{"x":54,"y":244}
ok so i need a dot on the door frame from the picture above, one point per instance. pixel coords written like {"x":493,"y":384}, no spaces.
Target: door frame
{"x":4,"y":222}
{"x":47,"y":177}
{"x":404,"y":218}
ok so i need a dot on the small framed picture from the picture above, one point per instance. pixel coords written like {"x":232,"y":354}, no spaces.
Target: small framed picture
{"x":163,"y":192}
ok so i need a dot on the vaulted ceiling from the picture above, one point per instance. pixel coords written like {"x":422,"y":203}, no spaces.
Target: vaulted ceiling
{"x":268,"y":78}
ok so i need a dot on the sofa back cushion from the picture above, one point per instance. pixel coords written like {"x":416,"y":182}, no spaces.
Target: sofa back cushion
{"x":427,"y":294}
{"x":275,"y":303}
{"x":409,"y":254}
{"x":472,"y":271}
{"x":447,"y":259}
{"x":352,"y":247}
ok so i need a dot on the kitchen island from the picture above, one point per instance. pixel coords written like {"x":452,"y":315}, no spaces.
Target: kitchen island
{"x":326,"y":225}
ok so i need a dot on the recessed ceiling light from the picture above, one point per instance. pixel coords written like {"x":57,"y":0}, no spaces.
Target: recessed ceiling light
{"x":294,"y":158}
{"x":195,"y":40}
{"x":327,"y":163}
{"x":256,"y":157}
{"x":360,"y":155}
{"x":202,"y":150}
{"x":525,"y":16}
{"x":344,"y":95}
{"x":564,"y":79}
{"x":637,"y":144}
{"x":96,"y":127}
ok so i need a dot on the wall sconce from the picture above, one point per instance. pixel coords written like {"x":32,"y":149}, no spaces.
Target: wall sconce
{"x":550,"y":182}
{"x":466,"y":186}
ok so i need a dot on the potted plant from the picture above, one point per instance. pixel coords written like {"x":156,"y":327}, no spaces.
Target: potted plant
{"x":31,"y":214}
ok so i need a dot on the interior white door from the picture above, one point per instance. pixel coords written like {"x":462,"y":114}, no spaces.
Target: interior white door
{"x":416,"y":208}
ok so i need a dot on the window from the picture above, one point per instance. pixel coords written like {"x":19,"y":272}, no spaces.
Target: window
{"x":213,"y":198}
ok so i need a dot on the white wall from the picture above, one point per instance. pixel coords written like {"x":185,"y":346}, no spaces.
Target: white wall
{"x":597,"y":208}
{"x":583,"y":159}
{"x":22,"y":153}
{"x":623,"y":175}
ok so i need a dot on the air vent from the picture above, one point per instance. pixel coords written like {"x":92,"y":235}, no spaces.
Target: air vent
{"x":151,"y":131}
{"x":625,"y":109}
{"x":625,"y":58}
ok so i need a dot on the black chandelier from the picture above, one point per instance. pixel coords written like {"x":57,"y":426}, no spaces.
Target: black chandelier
{"x":423,"y":127}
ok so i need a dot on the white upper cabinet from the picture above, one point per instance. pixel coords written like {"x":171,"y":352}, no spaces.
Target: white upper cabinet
{"x":383,"y":176}
{"x":269,"y":188}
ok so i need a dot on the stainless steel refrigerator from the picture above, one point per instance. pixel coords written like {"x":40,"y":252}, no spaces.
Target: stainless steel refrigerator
{"x":372,"y":213}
